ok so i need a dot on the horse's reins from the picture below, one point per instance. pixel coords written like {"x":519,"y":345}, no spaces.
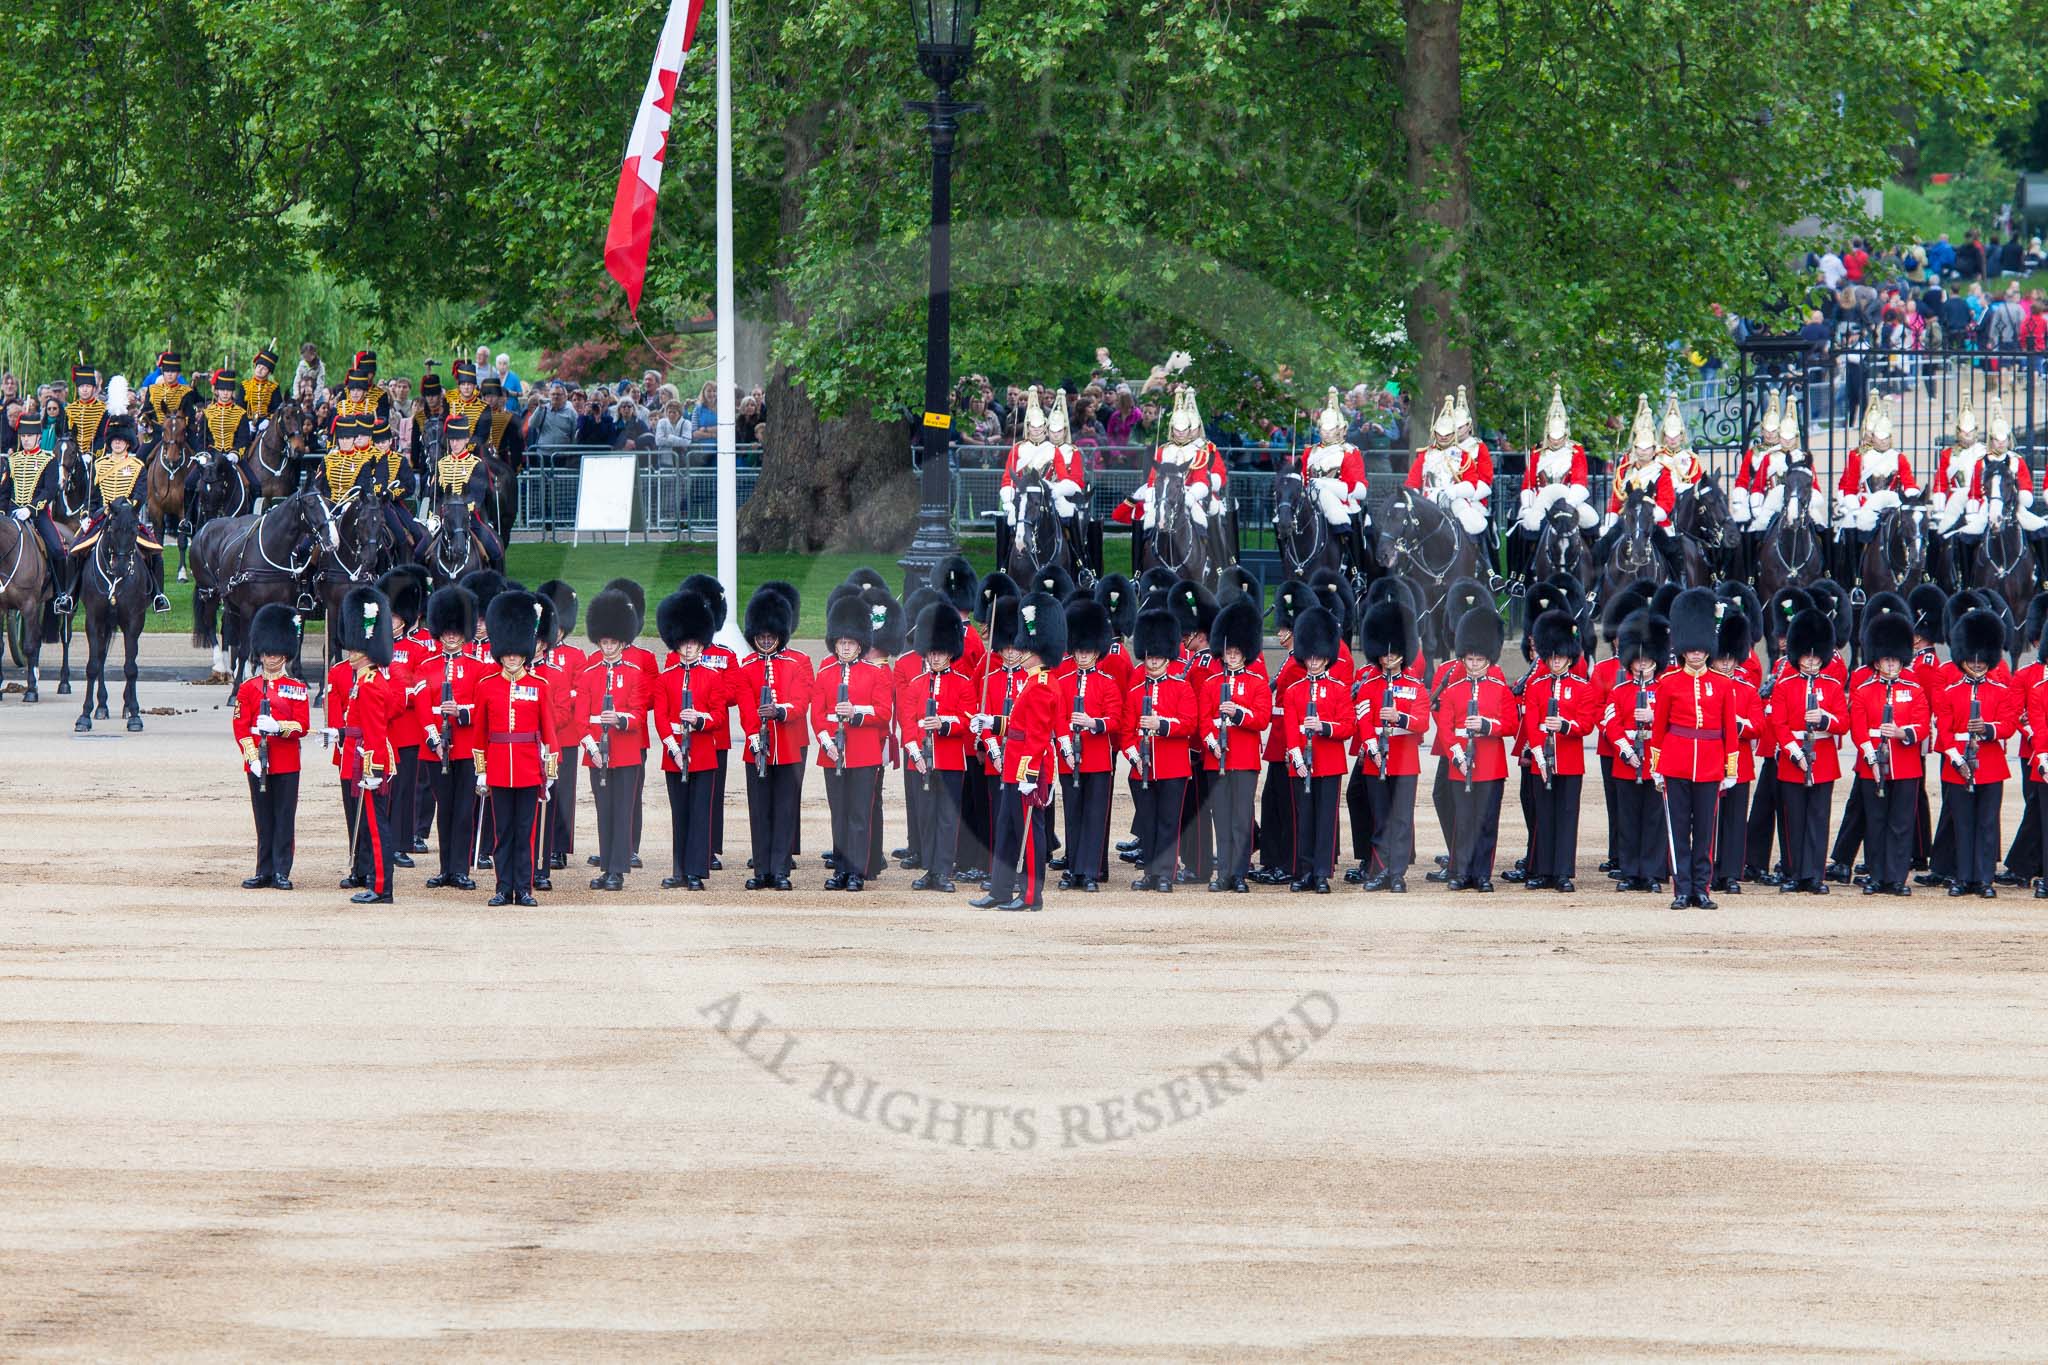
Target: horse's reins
{"x":1416,"y":554}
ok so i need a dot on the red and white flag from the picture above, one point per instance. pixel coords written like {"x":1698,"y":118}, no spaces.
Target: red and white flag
{"x":632,"y":227}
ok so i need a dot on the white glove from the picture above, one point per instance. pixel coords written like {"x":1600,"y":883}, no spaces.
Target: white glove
{"x":433,"y":522}
{"x":483,"y":783}
{"x":1027,"y":786}
{"x":1795,"y":753}
{"x":329,"y":736}
{"x":21,"y":514}
{"x":268,"y":725}
{"x":1728,"y":783}
{"x":1870,"y":754}
{"x":1627,"y":752}
{"x":1008,"y":497}
{"x":1657,"y":779}
{"x":369,"y":784}
{"x":590,"y":747}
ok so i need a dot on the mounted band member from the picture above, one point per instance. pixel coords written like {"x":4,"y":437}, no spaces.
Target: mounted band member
{"x":342,"y":469}
{"x":31,"y":480}
{"x":429,"y":428}
{"x":498,"y":433}
{"x":461,"y":475}
{"x":115,"y":476}
{"x":1642,"y":469}
{"x":1767,"y":485}
{"x":1045,"y":451}
{"x":356,"y":400}
{"x":170,"y":393}
{"x":225,"y":432}
{"x":259,"y":390}
{"x":1186,"y":454}
{"x":366,"y":361}
{"x":86,"y":416}
{"x":1334,"y":471}
{"x":390,"y":474}
{"x":466,"y":399}
{"x":1556,"y":472}
{"x":1875,"y":479}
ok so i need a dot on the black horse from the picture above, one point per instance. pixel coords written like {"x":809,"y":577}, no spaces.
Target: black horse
{"x":362,"y":549}
{"x":240,"y":564}
{"x":2004,"y":563}
{"x":1176,"y":542}
{"x":1040,"y":539}
{"x":1790,"y":550}
{"x":1704,"y":519}
{"x":1562,"y":545}
{"x":1424,"y":546}
{"x":1305,"y":539}
{"x":115,"y":586}
{"x":451,"y":549}
{"x":1895,"y":559}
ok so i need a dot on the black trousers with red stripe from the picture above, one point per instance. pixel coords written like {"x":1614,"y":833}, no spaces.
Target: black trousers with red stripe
{"x":689,"y":821}
{"x":850,"y":793}
{"x":374,"y":850}
{"x":1553,"y":814}
{"x":276,"y":805}
{"x":515,"y":812}
{"x":1022,"y":834}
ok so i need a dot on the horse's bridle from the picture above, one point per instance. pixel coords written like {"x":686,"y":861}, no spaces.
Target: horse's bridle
{"x":1301,"y":503}
{"x":1416,"y":554}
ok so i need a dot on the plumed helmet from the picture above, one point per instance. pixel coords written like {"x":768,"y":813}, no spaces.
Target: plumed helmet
{"x":611,"y":617}
{"x":1556,"y":633}
{"x":1480,"y":631}
{"x":452,"y":611}
{"x":864,"y":577}
{"x":1812,"y":632}
{"x":1463,"y":595}
{"x":559,"y":592}
{"x":1087,"y":626}
{"x":1317,"y":635}
{"x":483,"y":584}
{"x":847,"y":619}
{"x":1696,"y":621}
{"x":1193,"y":607}
{"x":1002,"y":622}
{"x":1042,"y":628}
{"x":1785,"y":604}
{"x":1889,"y":636}
{"x":1334,"y":595}
{"x":1979,"y":638}
{"x":513,"y":623}
{"x":1643,"y":635}
{"x":1055,"y":580}
{"x":1239,"y":626}
{"x":683,"y":617}
{"x":364,"y":625}
{"x":768,"y":613}
{"x":708,"y":588}
{"x":1294,"y":598}
{"x":939,"y":630}
{"x":1119,"y":597}
{"x":406,"y":586}
{"x":635,"y":594}
{"x":1236,"y":581}
{"x":1387,"y":628}
{"x":1156,"y":579}
{"x":275,"y":630}
{"x":996,"y":586}
{"x":1156,"y":636}
{"x":1736,"y":637}
{"x":1619,"y":608}
{"x":957,"y":583}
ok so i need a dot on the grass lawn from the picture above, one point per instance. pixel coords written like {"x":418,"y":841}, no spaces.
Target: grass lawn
{"x":659,"y":567}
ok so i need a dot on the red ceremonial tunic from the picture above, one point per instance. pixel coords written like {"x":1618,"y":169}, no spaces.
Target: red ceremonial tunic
{"x":1173,"y":701}
{"x":462,"y":679}
{"x":1325,"y":753}
{"x":1999,"y":706}
{"x":1578,"y":706}
{"x":514,"y":727}
{"x":706,"y":684}
{"x":1091,"y":718}
{"x":362,"y":705}
{"x":947,"y":696}
{"x":1912,"y":709}
{"x":289,"y":701}
{"x":788,"y":675}
{"x":1377,"y":701}
{"x":632,"y":692}
{"x":871,"y":691}
{"x":1693,"y":729}
{"x":1239,"y":739}
{"x":1028,"y":751}
{"x":1496,"y":707}
{"x":1791,"y":699}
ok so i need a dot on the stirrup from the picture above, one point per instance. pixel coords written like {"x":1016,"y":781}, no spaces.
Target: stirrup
{"x":159,"y":603}
{"x":63,"y":604}
{"x":305,"y":602}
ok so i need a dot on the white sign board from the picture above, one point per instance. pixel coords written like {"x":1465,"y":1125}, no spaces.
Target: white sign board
{"x":604,"y":492}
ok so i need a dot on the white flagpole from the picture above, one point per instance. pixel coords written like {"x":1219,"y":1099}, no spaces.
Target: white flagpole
{"x":728,"y":396}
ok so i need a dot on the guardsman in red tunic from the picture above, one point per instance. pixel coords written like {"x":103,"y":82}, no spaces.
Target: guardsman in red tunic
{"x":1030,"y":765}
{"x":1850,"y":834}
{"x":851,"y":704}
{"x":1732,"y":650}
{"x":689,"y":706}
{"x":1889,"y":715}
{"x":272,"y":713}
{"x":1160,"y":717}
{"x":935,"y":714}
{"x":445,"y":705}
{"x":720,"y":657}
{"x":1559,"y":709}
{"x":1317,"y":721}
{"x":406,"y":587}
{"x":1235,"y":705}
{"x":773,"y":690}
{"x":561,"y":664}
{"x":1604,"y":675}
{"x":361,"y":703}
{"x":613,"y":698}
{"x":1974,"y":716}
{"x":1090,"y":722}
{"x":1276,"y":802}
{"x":513,"y":727}
{"x":1808,"y":711}
{"x":1693,"y":738}
{"x":1627,"y":721}
{"x":1476,"y":715}
{"x":1194,"y":612}
{"x":1391,"y":703}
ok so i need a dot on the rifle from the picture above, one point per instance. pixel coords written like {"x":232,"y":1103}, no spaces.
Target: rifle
{"x":1549,"y":749}
{"x":835,"y":744}
{"x":263,"y":745}
{"x":1970,"y":744}
{"x":1308,"y":717}
{"x":1639,"y":738}
{"x":447,"y":696}
{"x":1068,"y":749}
{"x":1884,"y":745}
{"x":604,"y":741}
{"x":683,"y":749}
{"x":931,"y":712}
{"x":1810,"y":731}
{"x":1471,"y":760}
{"x":767,"y":704}
{"x":1145,"y":741}
{"x":1219,"y":743}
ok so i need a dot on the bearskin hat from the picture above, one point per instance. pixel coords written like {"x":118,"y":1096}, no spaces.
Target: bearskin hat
{"x":1556,"y":633}
{"x":682,"y":617}
{"x":1832,"y":598}
{"x":1785,"y":604}
{"x":1979,"y":638}
{"x":1334,"y":594}
{"x":1887,"y":604}
{"x":864,"y":577}
{"x":788,"y":593}
{"x":1736,"y":638}
{"x":1236,"y":581}
{"x":513,"y":623}
{"x":1480,"y":631}
{"x":1193,"y":607}
{"x":1695,"y":621}
{"x":275,"y":630}
{"x":2037,"y":612}
{"x":1571,"y":587}
{"x":452,"y":611}
{"x":1664,"y":596}
{"x":1812,"y":632}
{"x":483,"y":584}
{"x":1294,"y":598}
{"x":1157,"y":579}
{"x":1888,"y":636}
{"x":1238,"y":625}
{"x":847,"y":619}
{"x":1463,"y":595}
{"x":840,"y":594}
{"x":706,"y":587}
{"x":955,"y":581}
{"x":1619,"y":608}
{"x":1959,"y":605}
{"x":1746,"y":600}
{"x":768,"y":613}
{"x":635,"y":594}
{"x":1544,"y":598}
{"x":1155,"y":636}
{"x":563,"y":596}
{"x":1317,"y":635}
{"x":1054,"y":580}
{"x":1042,"y":628}
{"x":1119,"y":597}
{"x":1927,"y":603}
{"x":886,"y":629}
{"x":364,"y":625}
{"x":1387,"y":628}
{"x":1087,"y":626}
{"x":1643,"y":635}
{"x":997,"y":585}
{"x":611,"y":617}
{"x":1392,"y":589}
{"x":939,"y":630}
{"x":1002,"y":623}
{"x":917,"y":601}
{"x":406,"y":586}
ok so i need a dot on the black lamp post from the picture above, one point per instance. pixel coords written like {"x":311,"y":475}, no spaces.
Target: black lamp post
{"x":945,"y":45}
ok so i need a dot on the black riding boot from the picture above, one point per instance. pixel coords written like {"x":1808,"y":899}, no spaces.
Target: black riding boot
{"x":157,"y":601}
{"x":1673,"y":557}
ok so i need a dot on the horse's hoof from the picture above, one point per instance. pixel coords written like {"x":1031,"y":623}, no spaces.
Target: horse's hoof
{"x":29,"y":697}
{"x":63,"y":689}
{"x":134,"y":723}
{"x":83,"y":724}
{"x":100,"y":713}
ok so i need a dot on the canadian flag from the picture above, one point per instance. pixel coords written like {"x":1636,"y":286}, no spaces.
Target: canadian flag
{"x":632,"y":226}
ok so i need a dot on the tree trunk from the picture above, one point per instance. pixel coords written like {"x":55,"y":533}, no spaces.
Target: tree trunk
{"x":843,"y":484}
{"x":1440,"y":201}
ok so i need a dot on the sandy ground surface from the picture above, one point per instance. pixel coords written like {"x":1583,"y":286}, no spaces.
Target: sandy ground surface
{"x":733,"y":1126}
